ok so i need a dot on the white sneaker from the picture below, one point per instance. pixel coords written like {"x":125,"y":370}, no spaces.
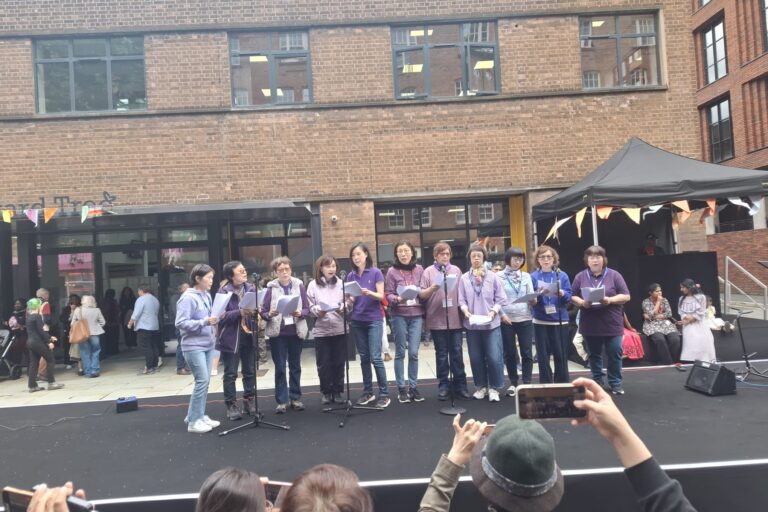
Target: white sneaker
{"x":493,"y":396}
{"x":480,"y":394}
{"x":199,"y":427}
{"x":511,"y":391}
{"x":210,"y":422}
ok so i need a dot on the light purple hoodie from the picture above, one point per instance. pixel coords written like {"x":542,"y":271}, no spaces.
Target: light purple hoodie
{"x":192,"y":313}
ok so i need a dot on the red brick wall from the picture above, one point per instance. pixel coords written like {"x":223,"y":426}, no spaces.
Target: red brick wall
{"x":355,"y":223}
{"x":17,"y":82}
{"x":187,"y":71}
{"x":746,"y":248}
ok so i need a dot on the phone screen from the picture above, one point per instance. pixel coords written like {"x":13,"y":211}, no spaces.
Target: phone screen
{"x":16,"y":500}
{"x":542,"y":402}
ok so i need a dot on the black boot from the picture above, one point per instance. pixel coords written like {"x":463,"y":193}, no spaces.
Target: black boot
{"x":249,"y":406}
{"x":233,"y":412}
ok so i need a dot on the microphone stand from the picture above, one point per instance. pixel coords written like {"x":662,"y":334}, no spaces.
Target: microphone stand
{"x":347,"y":407}
{"x":748,"y":370}
{"x":452,"y":410}
{"x":258,"y":416}
{"x":563,"y":348}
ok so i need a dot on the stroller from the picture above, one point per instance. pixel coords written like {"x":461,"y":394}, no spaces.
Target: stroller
{"x":10,"y":355}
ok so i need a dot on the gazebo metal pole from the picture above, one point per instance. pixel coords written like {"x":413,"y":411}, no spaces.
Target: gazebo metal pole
{"x":594,"y":225}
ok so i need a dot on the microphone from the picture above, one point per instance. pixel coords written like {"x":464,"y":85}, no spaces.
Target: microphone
{"x":343,"y":275}
{"x":442,"y":268}
{"x":256,"y":277}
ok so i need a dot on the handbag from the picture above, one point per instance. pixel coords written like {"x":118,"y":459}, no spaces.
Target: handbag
{"x":79,"y":332}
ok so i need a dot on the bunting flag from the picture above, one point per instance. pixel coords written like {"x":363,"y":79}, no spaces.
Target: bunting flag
{"x":604,"y":211}
{"x":682,"y":217}
{"x":556,"y":226}
{"x":49,"y":213}
{"x":711,"y":203}
{"x":633,"y":213}
{"x":84,"y":213}
{"x":579,"y":218}
{"x":7,"y":216}
{"x":683,"y":205}
{"x":33,"y":215}
{"x":95,"y":211}
{"x":652,"y":209}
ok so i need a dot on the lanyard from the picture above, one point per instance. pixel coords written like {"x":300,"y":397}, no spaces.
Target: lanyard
{"x":592,"y":279}
{"x":406,"y":281}
{"x":507,"y":277}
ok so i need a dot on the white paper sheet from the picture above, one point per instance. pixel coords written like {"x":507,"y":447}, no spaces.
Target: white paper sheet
{"x":353,"y":289}
{"x":408,"y":292}
{"x":480,"y":319}
{"x":220,"y":302}
{"x":547,"y":288}
{"x":262,"y":293}
{"x":328,"y":307}
{"x":287,"y":304}
{"x":525,"y":298}
{"x":248,"y":301}
{"x":593,"y":295}
{"x":451,"y":278}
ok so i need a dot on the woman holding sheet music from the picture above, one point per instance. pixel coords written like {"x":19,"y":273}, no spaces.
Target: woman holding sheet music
{"x":402,"y":289}
{"x":481,"y":298}
{"x":516,"y":319}
{"x":286,"y":309}
{"x":235,"y":340}
{"x":326,"y":303}
{"x":550,"y":316}
{"x":602,"y":315}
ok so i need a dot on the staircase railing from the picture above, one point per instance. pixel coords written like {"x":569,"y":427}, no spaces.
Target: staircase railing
{"x":750,"y":300}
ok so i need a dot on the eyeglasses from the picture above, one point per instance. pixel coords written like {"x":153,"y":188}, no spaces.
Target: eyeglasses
{"x":283,"y":270}
{"x":546,"y":257}
{"x":516,"y":258}
{"x":403,"y":251}
{"x":444,"y":253}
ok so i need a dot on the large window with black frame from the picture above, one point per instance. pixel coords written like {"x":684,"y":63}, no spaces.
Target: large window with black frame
{"x":90,"y":74}
{"x":270,"y":68}
{"x":619,"y":51}
{"x":445,"y":60}
{"x":715,"y":59}
{"x":720,"y":134}
{"x":458,"y":223}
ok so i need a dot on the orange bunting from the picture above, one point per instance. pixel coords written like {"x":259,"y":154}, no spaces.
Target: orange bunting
{"x":633,"y":213}
{"x":579,"y":218}
{"x":604,"y":211}
{"x":49,"y":213}
{"x":683,"y":205}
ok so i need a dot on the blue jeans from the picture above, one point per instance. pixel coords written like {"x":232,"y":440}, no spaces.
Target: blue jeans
{"x":448,"y":351}
{"x":286,"y":348}
{"x":613,"y":354}
{"x":89,"y":354}
{"x":199,"y":362}
{"x":407,"y":333}
{"x":524,"y":333}
{"x":486,"y":357}
{"x":552,"y":340}
{"x":368,"y":342}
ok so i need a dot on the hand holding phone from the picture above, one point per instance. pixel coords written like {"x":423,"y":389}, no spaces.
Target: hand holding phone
{"x":58,"y":499}
{"x":549,"y":401}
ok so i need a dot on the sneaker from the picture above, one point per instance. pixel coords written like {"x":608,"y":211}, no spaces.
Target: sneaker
{"x":416,"y":396}
{"x":618,"y":390}
{"x":281,"y":408}
{"x":249,"y":406}
{"x":297,"y":405}
{"x":233,"y":412}
{"x":159,"y":362}
{"x":211,"y":423}
{"x":383,"y":402}
{"x":55,"y":385}
{"x":493,"y":396}
{"x":366,"y":399}
{"x":183,"y":371}
{"x":512,"y":390}
{"x":480,"y":394}
{"x":327,"y":398}
{"x":442,"y":395}
{"x":36,"y":389}
{"x":403,"y":397}
{"x":199,"y":427}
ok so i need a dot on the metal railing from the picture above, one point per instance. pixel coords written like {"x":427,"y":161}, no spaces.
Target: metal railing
{"x":728,"y":300}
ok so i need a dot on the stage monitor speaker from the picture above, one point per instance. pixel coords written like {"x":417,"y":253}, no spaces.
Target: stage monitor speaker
{"x":711,"y":379}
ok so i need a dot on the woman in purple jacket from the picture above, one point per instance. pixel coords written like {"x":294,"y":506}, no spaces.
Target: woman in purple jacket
{"x":406,"y":318}
{"x":481,"y":297}
{"x":235,"y":341}
{"x":325,"y":295}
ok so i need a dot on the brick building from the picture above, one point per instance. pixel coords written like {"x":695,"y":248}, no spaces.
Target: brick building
{"x":228,"y":129}
{"x":731,"y":43}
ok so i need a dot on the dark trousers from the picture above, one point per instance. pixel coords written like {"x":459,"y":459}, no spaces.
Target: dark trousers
{"x":38,"y":349}
{"x":330,"y":354}
{"x":286,"y":349}
{"x":111,"y":339}
{"x":246,"y":358}
{"x":158,"y":340}
{"x":146,"y":340}
{"x":449,"y":354}
{"x":667,"y":347}
{"x":552,"y":340}
{"x":65,"y":345}
{"x":523,"y":331}
{"x":130,"y":336}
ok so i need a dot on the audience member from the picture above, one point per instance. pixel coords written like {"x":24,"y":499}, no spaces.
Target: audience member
{"x":232,"y":490}
{"x":40,"y":346}
{"x":127,"y":301}
{"x":90,"y":348}
{"x":110,"y":309}
{"x":145,"y":320}
{"x":326,"y":488}
{"x":53,"y":499}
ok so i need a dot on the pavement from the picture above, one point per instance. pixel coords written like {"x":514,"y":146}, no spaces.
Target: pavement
{"x":120,"y":377}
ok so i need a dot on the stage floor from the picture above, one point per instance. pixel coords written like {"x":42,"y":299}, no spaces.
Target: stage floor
{"x":149,"y":452}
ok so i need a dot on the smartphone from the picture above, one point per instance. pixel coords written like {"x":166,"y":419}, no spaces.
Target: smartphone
{"x":274,"y":490}
{"x":489,"y":428}
{"x":549,"y":401}
{"x":17,"y":500}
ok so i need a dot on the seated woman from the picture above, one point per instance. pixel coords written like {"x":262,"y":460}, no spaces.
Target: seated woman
{"x":631,"y":344}
{"x":660,"y":327}
{"x":714,"y":323}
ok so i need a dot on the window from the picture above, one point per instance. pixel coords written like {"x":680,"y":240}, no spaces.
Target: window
{"x":422,"y":217}
{"x":270,"y":68}
{"x":720,"y":136}
{"x":485,"y":213}
{"x":619,"y":51}
{"x":714,"y":52}
{"x":395,"y":218}
{"x":591,"y":79}
{"x":87,"y":75}
{"x":453,"y":60}
{"x":765,"y":24}
{"x":460,"y":213}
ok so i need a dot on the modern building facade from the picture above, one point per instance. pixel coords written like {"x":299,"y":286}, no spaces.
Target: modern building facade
{"x":215,"y":129}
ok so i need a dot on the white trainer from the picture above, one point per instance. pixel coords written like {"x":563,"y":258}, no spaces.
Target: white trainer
{"x":480,"y":393}
{"x":199,"y":427}
{"x":212,"y":423}
{"x":511,"y":391}
{"x":493,"y":396}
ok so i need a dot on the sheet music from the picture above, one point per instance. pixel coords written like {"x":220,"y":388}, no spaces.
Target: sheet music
{"x":220,"y":302}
